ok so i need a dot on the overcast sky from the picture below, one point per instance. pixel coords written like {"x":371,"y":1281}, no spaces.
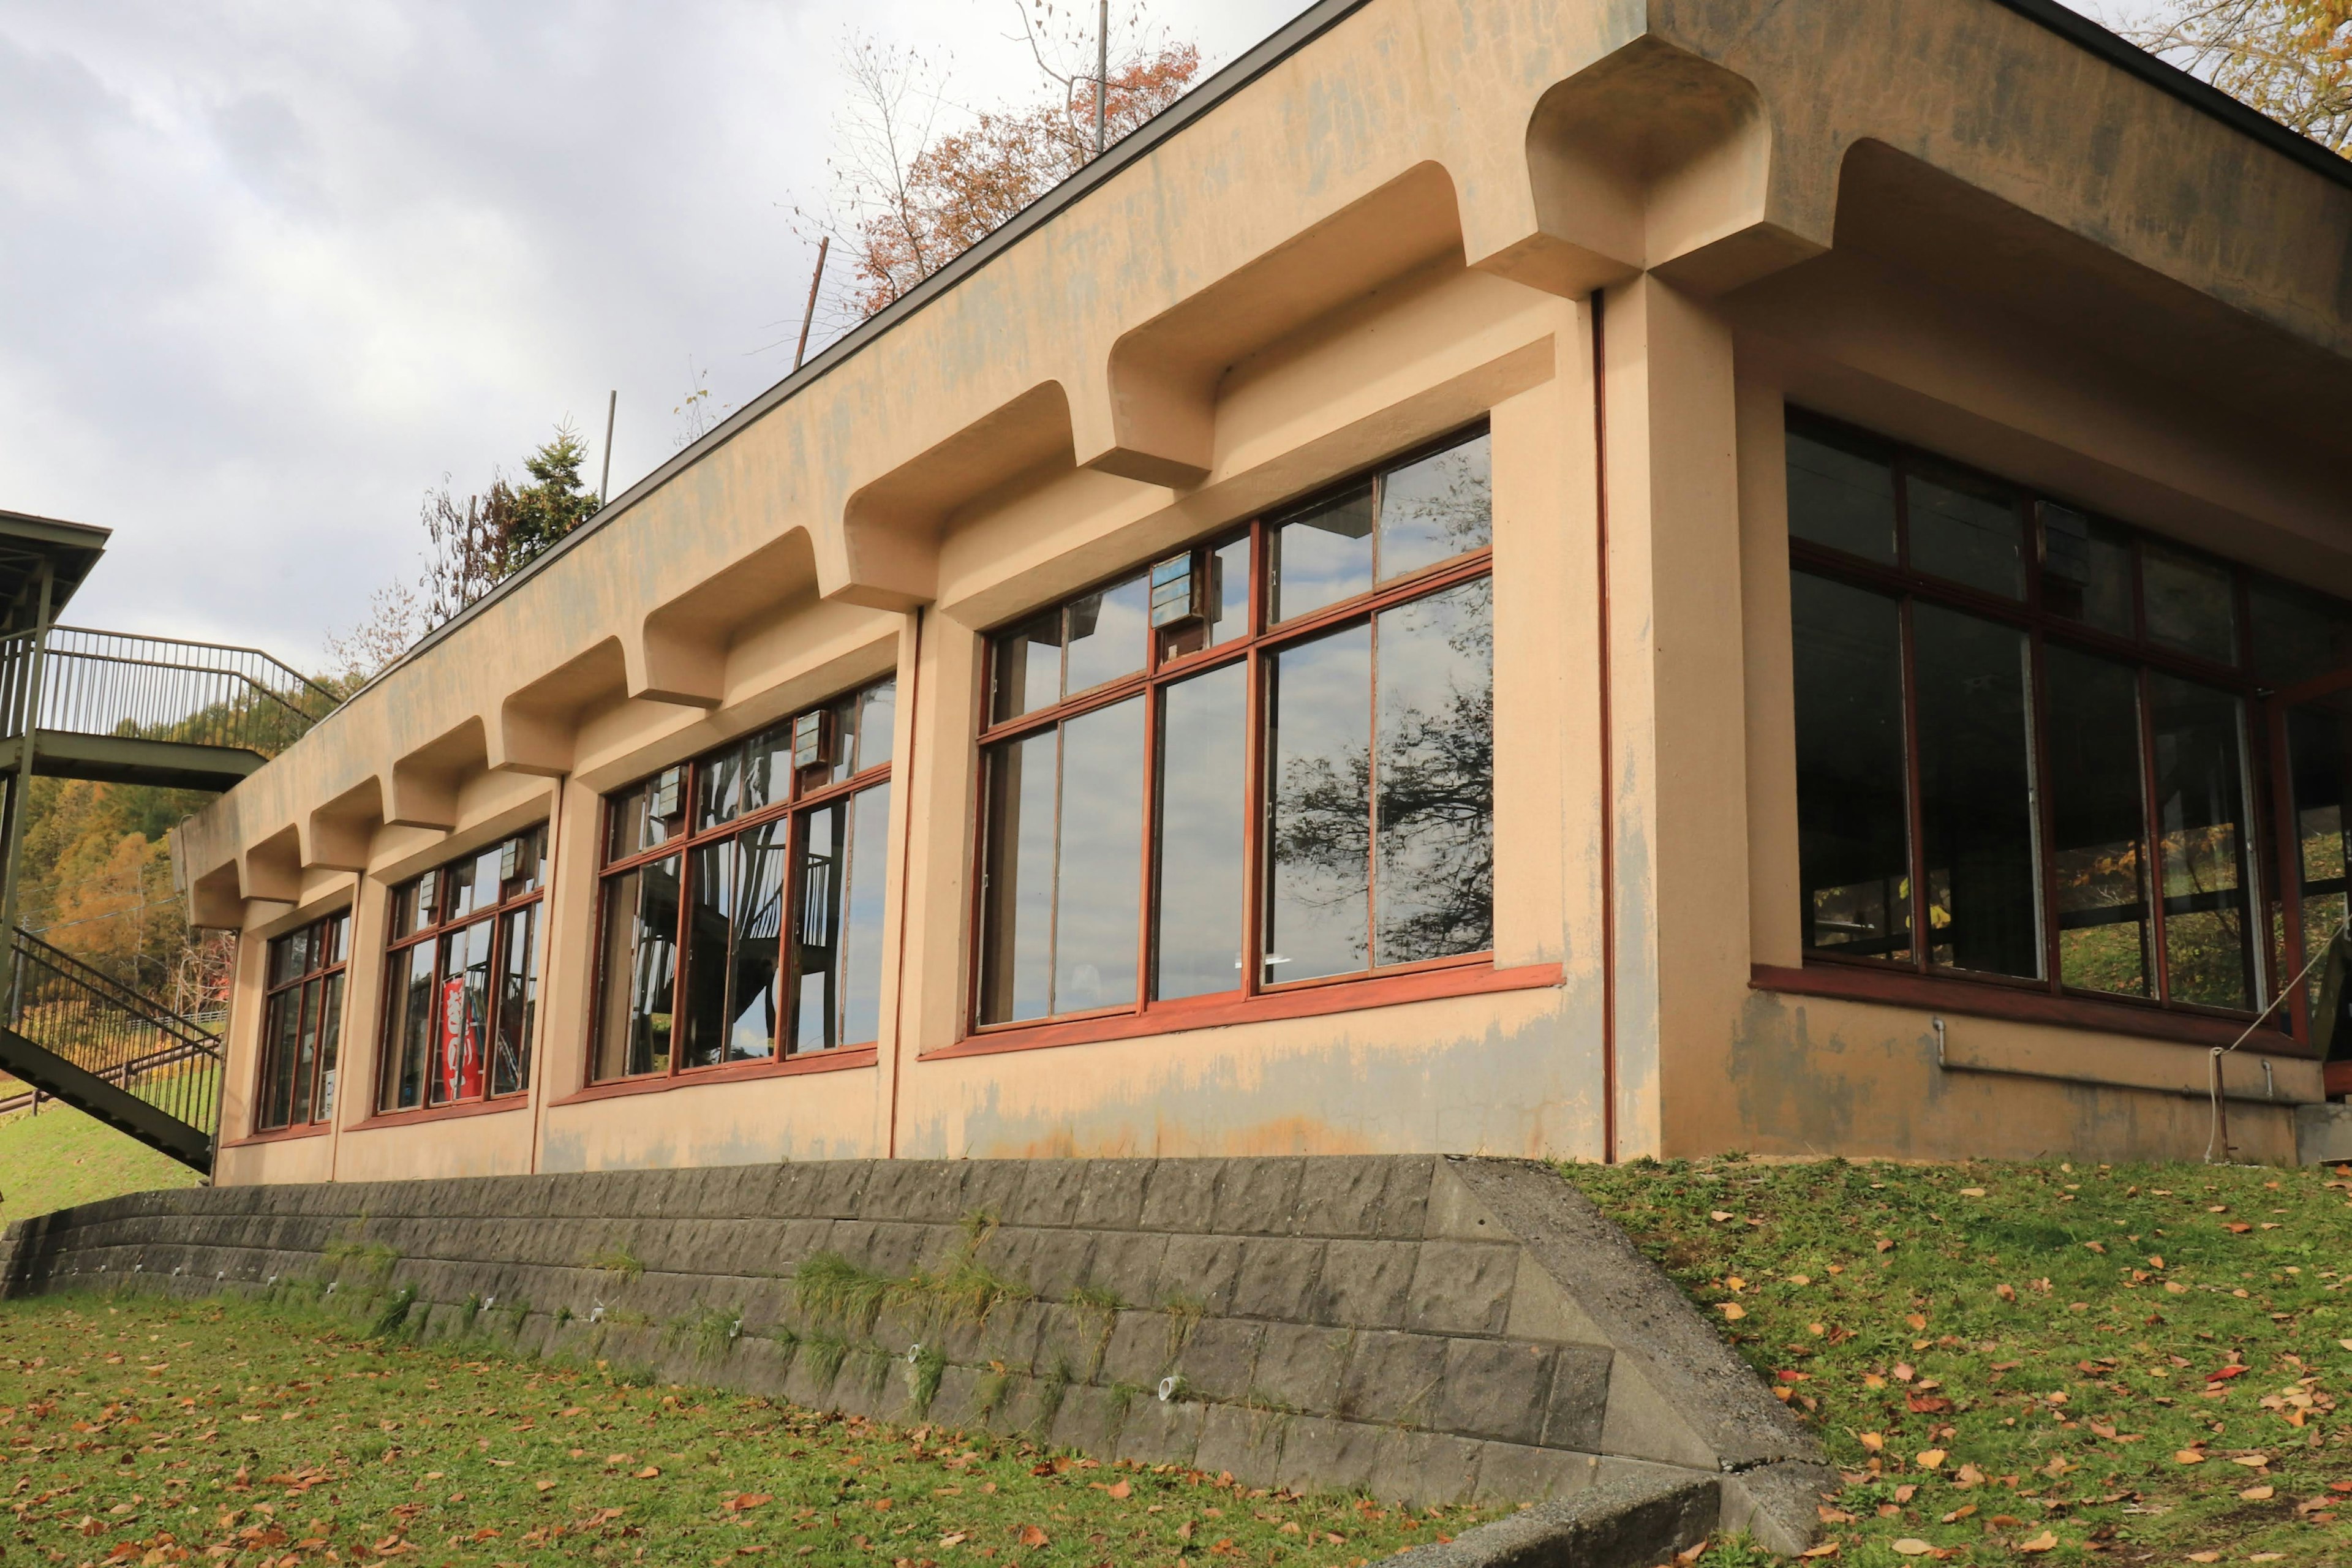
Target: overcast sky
{"x":269,"y":271}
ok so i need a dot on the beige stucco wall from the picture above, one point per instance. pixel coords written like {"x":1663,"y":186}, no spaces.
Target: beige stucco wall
{"x":1948,"y":225}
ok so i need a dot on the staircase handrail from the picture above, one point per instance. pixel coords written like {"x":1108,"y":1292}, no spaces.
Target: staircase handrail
{"x":116,"y":995}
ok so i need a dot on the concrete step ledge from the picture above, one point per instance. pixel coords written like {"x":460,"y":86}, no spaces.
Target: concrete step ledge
{"x":1633,"y":1522}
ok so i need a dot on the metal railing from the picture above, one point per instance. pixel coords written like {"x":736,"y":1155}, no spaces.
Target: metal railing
{"x":159,"y":689}
{"x":112,"y":1032}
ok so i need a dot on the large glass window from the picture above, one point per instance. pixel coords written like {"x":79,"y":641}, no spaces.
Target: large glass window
{"x":2024,"y":734}
{"x":462,"y":980}
{"x":742,"y":898}
{"x":1263,"y":762}
{"x":303,"y":1026}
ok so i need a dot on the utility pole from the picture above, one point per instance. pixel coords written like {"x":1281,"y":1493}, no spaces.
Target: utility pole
{"x":612,"y":406}
{"x":824,"y":244}
{"x":1102,"y":74}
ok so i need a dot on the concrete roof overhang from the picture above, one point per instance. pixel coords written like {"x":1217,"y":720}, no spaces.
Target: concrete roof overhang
{"x":1771,"y":157}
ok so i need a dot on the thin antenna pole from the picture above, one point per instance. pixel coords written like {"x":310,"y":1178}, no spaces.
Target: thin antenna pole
{"x":612,"y":406}
{"x":1102,"y":74}
{"x":824,"y":244}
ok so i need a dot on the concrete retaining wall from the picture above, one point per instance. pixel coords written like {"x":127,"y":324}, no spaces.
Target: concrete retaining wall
{"x":1423,"y":1328}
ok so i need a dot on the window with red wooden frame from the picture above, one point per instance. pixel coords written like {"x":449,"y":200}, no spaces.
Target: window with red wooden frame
{"x":742,"y":900}
{"x":303,"y":1026}
{"x":2030,"y":748}
{"x":1259,"y":765}
{"x":462,"y":980}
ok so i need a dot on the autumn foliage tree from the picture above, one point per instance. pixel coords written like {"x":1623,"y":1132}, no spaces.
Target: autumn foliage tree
{"x":910,"y":198}
{"x":2292,"y":60}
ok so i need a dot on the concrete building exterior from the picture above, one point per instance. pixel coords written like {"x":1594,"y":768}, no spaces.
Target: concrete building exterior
{"x":1554,"y":538}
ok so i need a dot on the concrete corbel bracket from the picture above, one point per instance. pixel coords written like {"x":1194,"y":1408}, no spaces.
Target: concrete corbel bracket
{"x":1678,"y":1395}
{"x":1651,"y":159}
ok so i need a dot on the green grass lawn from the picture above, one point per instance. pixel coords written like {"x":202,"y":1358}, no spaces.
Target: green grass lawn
{"x":61,"y":1157}
{"x":2036,"y":1364}
{"x":2008,"y":1365}
{"x":137,"y":1429}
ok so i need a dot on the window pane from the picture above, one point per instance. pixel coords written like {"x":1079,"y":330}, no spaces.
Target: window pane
{"x":859,"y":963}
{"x":877,"y":711}
{"x":1108,"y":634}
{"x":759,"y":936}
{"x":2200,"y":816}
{"x":815,"y":1006}
{"x":460,"y":1060}
{"x":331,"y":1042}
{"x":2098,"y":856}
{"x":403,"y":910}
{"x":306,"y":1054}
{"x":339,"y":930}
{"x":624,"y":832}
{"x":2319,"y":754}
{"x":281,"y":1029}
{"x":1229,"y":591}
{"x":1967,"y":530}
{"x":2188,"y":603}
{"x":518,"y":1000}
{"x":1323,"y":555}
{"x":1977,"y":795}
{"x":1017,"y":882}
{"x":817,"y":929}
{"x":1436,"y":509}
{"x":1198,"y":853}
{"x":1852,"y":833}
{"x":2295,"y":637}
{"x":768,"y":768}
{"x":719,"y":787}
{"x":1841,"y":498}
{"x":709,"y":941}
{"x":1433,"y":855}
{"x":408,"y":1032}
{"x":1318,"y":805}
{"x":639,"y":972}
{"x":1099,"y":888}
{"x":1028,"y":666}
{"x":2087,"y":570}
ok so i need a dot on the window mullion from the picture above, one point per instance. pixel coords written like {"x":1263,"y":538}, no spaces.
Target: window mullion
{"x":1922,"y":933}
{"x":2152,"y":826}
{"x":1148,"y":881}
{"x":2046,"y":811}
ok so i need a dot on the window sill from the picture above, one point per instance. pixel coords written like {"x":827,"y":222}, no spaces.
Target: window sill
{"x":742,"y":1072}
{"x":280,"y":1135}
{"x":443,"y":1113}
{"x":1991,"y":999}
{"x":1218,"y":1012}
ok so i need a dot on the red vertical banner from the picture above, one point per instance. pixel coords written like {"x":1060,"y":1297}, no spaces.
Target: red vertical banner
{"x":457,"y":1072}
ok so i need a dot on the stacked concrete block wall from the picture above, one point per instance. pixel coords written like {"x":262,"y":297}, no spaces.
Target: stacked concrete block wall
{"x":1424,"y":1328}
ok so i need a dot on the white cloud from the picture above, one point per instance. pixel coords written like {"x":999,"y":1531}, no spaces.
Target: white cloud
{"x":268,"y":271}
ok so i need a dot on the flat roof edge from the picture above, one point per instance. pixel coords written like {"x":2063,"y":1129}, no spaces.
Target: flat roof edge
{"x":1278,"y":46}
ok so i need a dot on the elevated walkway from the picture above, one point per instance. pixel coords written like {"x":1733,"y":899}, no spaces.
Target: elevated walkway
{"x":116,"y":708}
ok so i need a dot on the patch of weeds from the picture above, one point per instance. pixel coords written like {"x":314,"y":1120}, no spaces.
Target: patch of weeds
{"x":831,"y":1289}
{"x":628,"y":1318}
{"x":393,"y":1316}
{"x":826,"y":1353}
{"x":988,"y":1393}
{"x":466,"y":1313}
{"x":924,"y":1369}
{"x":1098,"y":1309}
{"x":706,"y":1333}
{"x":563,"y":1316}
{"x":1051,"y":1388}
{"x":517,"y":1313}
{"x":616,"y":1260}
{"x":366,"y":1265}
{"x":1184,"y":1314}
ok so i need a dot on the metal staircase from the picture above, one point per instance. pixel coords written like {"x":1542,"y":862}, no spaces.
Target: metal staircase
{"x":116,"y":708}
{"x":76,"y":1035}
